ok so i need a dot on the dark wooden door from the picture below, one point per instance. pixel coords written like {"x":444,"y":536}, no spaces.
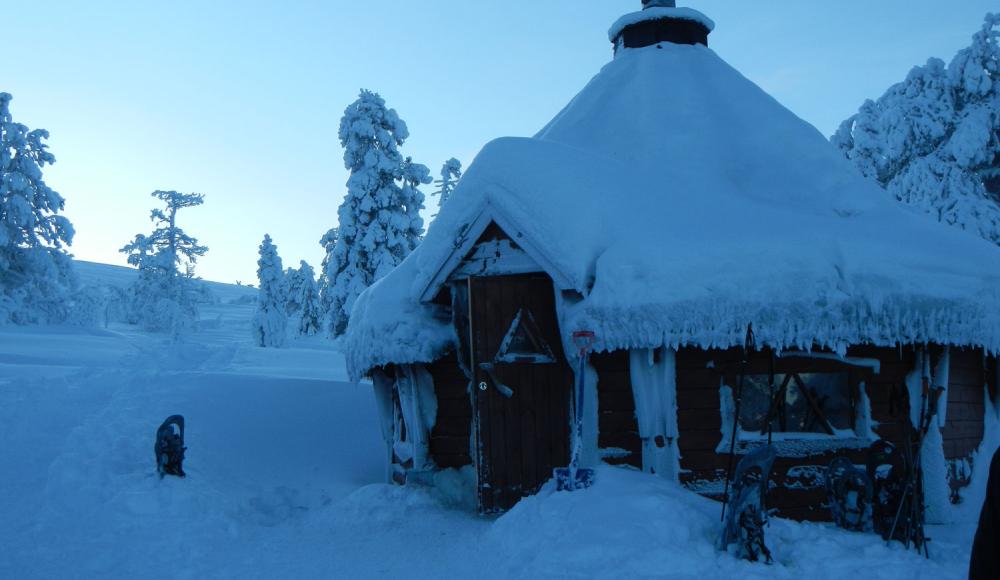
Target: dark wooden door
{"x":521,"y":389}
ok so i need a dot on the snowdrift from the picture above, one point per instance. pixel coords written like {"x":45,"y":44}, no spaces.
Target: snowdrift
{"x":631,"y":525}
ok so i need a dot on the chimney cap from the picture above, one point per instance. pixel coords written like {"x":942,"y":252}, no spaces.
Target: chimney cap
{"x":672,"y":17}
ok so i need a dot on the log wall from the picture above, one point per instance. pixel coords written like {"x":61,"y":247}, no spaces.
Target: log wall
{"x":963,"y":428}
{"x":970,"y":374}
{"x":449,"y":445}
{"x":798,"y":493}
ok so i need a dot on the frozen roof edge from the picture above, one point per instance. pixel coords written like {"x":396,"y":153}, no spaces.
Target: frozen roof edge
{"x":705,"y":325}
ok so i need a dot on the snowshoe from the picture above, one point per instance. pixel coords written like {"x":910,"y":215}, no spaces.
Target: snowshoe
{"x":747,"y":515}
{"x":849,"y":493}
{"x":887,"y":472}
{"x":170,"y":447}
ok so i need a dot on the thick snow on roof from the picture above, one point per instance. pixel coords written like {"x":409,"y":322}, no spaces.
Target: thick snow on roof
{"x":658,"y":13}
{"x":683,"y":203}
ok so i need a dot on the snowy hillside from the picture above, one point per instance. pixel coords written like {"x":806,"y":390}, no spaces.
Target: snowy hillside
{"x":285,"y":464}
{"x":96,"y":274}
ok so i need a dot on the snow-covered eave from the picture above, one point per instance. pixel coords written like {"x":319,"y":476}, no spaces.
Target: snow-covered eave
{"x":711,"y":325}
{"x":659,"y":13}
{"x":417,"y":339}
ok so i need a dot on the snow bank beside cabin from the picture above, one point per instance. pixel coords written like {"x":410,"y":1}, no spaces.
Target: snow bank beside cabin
{"x":681,"y":202}
{"x":631,"y":525}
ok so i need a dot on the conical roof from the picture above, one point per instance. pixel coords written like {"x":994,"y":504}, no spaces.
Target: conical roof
{"x":682,"y":202}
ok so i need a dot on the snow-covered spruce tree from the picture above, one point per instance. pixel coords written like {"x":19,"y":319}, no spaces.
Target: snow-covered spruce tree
{"x":36,"y":274}
{"x":292,"y":305}
{"x":933,"y":141}
{"x":162,"y":299}
{"x":413,"y":175}
{"x":270,"y":321}
{"x":181,"y":250}
{"x":327,"y":273}
{"x":380,"y":221}
{"x":144,"y":291}
{"x":303,"y":300}
{"x":451,"y":172}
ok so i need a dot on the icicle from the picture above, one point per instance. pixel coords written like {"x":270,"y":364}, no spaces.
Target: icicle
{"x":942,"y":377}
{"x":865,"y":423}
{"x":937,"y":491}
{"x":382,"y":386}
{"x":914,"y":386}
{"x":655,"y":392}
{"x":419,"y":407}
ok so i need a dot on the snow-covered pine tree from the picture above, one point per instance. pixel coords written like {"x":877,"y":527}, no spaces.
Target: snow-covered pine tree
{"x":933,"y":141}
{"x":143,"y":294}
{"x":327,"y":273}
{"x":292,"y":305}
{"x":413,"y":175}
{"x":36,"y":274}
{"x":170,"y":240}
{"x":270,"y":320}
{"x":303,"y":299}
{"x":380,"y":221}
{"x":161,"y":298}
{"x":451,"y":172}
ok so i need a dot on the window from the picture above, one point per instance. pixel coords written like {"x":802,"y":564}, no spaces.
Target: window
{"x":523,"y":342}
{"x":803,"y":403}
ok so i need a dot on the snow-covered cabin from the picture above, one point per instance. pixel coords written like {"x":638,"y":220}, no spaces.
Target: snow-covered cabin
{"x":669,"y":207}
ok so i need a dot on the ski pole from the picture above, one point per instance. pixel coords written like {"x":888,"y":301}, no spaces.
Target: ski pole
{"x":747,"y":345}
{"x":899,"y":512}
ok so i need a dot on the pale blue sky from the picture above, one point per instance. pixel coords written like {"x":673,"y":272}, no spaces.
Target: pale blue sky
{"x":241,"y":100}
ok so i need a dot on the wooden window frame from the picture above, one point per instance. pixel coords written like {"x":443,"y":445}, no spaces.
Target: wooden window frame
{"x":791,"y":443}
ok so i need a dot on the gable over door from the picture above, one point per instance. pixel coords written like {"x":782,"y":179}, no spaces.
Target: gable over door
{"x":522,"y":386}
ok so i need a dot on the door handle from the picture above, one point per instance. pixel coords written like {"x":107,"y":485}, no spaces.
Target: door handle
{"x":504,"y":389}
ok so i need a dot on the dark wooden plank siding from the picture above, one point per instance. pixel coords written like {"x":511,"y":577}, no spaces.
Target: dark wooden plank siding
{"x":963,"y":430}
{"x":449,"y":445}
{"x":699,"y":419}
{"x":617,"y":425}
{"x":699,"y":373}
{"x":970,"y":375}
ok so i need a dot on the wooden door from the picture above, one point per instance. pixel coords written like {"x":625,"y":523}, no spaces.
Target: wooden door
{"x":522,"y":386}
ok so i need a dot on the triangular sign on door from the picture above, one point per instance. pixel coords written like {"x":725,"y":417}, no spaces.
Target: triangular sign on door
{"x":523,"y":342}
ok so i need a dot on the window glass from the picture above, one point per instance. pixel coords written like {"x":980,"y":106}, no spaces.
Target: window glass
{"x":797,"y":403}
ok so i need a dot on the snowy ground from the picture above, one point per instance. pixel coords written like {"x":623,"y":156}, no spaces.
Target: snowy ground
{"x":285,"y":466}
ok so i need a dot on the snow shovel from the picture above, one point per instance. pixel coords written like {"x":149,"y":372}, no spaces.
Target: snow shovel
{"x":575,"y":477}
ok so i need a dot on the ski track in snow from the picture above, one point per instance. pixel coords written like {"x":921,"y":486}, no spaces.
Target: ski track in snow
{"x":285,"y":471}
